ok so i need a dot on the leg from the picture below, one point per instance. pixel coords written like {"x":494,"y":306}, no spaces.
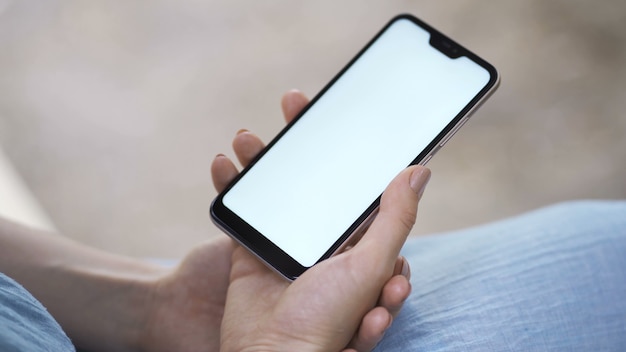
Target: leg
{"x":25,"y":325}
{"x":554,"y":279}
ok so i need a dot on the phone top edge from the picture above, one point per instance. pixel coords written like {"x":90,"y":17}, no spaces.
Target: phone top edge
{"x":493,"y":73}
{"x":463,"y":50}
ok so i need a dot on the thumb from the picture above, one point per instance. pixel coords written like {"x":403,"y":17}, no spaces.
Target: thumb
{"x":397,"y":213}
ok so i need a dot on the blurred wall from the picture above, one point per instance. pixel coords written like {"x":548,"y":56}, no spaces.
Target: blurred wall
{"x":112,"y":110}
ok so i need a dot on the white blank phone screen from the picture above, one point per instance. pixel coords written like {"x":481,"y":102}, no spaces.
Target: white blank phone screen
{"x":312,"y":185}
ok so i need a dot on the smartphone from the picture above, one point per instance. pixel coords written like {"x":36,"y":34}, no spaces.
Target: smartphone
{"x":316,"y":186}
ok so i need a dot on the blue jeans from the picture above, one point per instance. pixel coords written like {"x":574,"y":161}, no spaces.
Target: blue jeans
{"x":25,"y":325}
{"x":550,"y":280}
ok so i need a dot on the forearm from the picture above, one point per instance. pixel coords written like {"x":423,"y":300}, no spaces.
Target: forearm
{"x":93,"y":294}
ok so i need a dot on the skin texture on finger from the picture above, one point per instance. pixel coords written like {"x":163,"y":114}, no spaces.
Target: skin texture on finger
{"x":247,"y":146}
{"x":187,"y":304}
{"x":396,"y":217}
{"x":292,"y":103}
{"x":379,"y":319}
{"x":394,"y":293}
{"x":254,"y":290}
{"x":222,"y":172}
{"x":372,"y":329}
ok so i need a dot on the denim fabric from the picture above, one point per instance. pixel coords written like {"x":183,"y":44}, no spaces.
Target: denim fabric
{"x":25,"y":325}
{"x":550,"y":280}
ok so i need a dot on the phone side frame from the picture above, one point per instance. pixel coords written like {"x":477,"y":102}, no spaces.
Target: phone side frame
{"x":290,"y":268}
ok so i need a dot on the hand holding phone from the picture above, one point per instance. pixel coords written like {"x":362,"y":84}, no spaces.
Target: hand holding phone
{"x":317,"y":185}
{"x":356,"y":293}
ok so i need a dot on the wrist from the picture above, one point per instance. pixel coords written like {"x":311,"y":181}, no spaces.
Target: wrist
{"x":94,"y":295}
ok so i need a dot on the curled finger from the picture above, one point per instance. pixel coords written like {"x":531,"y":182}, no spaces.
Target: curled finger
{"x":247,"y":145}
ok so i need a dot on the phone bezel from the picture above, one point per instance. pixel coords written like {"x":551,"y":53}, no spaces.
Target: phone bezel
{"x":271,"y":254}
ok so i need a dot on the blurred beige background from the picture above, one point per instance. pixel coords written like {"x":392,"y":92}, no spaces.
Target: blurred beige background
{"x":112,"y":110}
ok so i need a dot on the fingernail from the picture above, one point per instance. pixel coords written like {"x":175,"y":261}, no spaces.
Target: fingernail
{"x":243,"y":130}
{"x":419,"y":180}
{"x":219,"y":155}
{"x":406,"y":269}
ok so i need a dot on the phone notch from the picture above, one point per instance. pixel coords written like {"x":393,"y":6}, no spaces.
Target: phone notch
{"x":446,"y":46}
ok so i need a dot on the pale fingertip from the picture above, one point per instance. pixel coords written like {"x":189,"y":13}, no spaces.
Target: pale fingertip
{"x":394,"y":294}
{"x":382,"y":334}
{"x":294,"y":93}
{"x":388,"y":324}
{"x":292,"y":103}
{"x":373,"y":327}
{"x":247,"y":146}
{"x":222,"y":171}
